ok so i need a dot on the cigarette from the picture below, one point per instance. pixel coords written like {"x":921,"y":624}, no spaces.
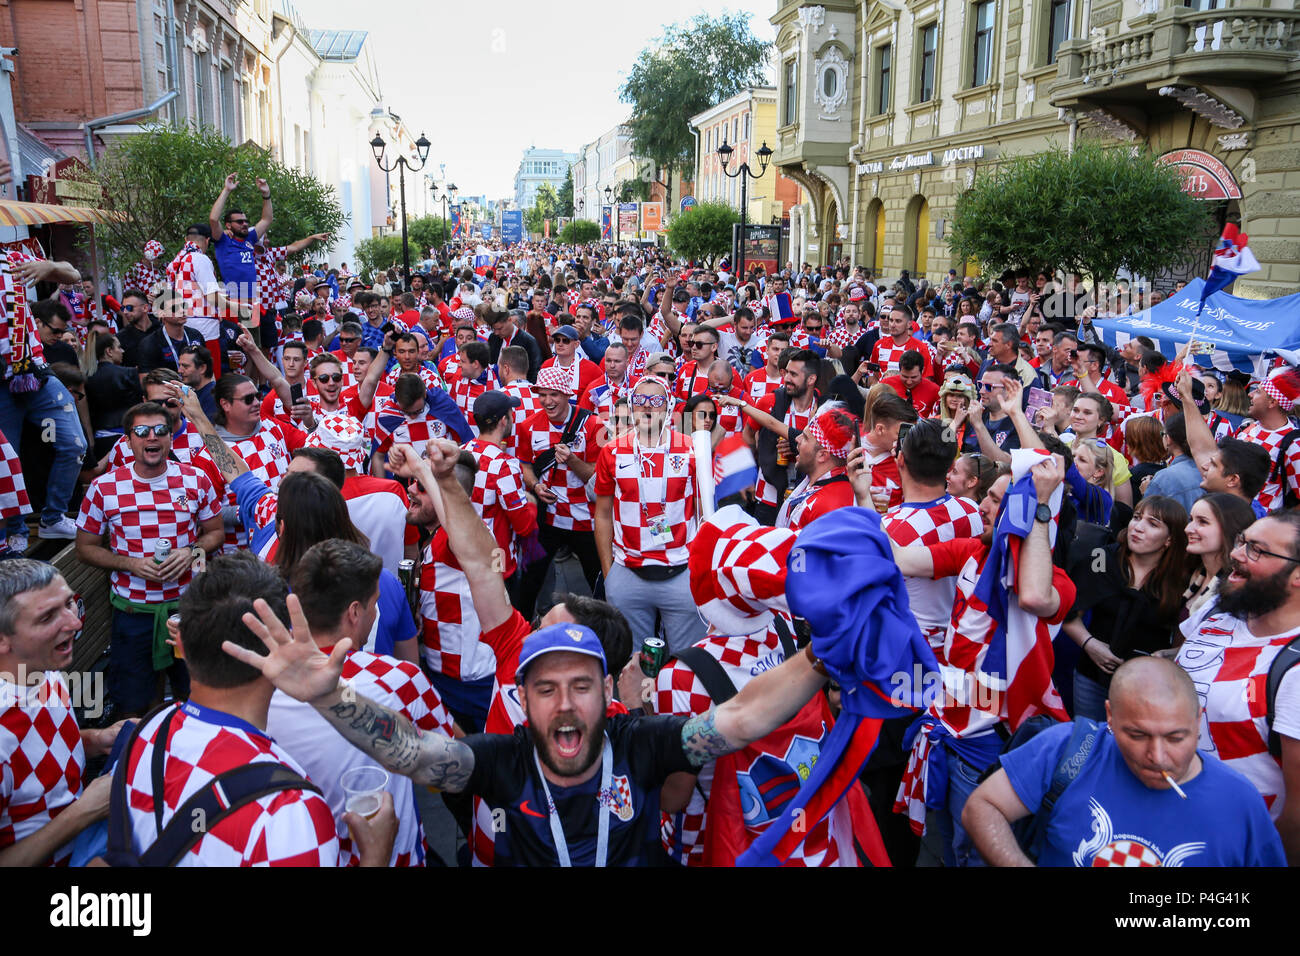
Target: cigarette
{"x":1177,"y":789}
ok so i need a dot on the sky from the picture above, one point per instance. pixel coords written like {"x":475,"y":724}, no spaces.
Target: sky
{"x":487,"y":79}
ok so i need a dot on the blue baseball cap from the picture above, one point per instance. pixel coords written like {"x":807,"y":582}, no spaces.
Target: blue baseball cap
{"x":573,"y":638}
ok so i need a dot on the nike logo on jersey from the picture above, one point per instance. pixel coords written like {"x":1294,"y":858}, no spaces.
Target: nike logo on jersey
{"x":525,"y":808}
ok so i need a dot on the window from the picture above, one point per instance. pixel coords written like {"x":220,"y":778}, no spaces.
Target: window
{"x":708,"y":141}
{"x":200,"y":86}
{"x":735,"y":130}
{"x":830,"y":83}
{"x":929,"y":51}
{"x":1058,"y":27}
{"x":791,"y":92}
{"x":883,"y":69}
{"x":747,"y":127}
{"x":983,"y":53}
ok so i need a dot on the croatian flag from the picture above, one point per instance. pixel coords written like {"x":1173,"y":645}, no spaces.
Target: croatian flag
{"x":484,"y":259}
{"x":733,"y":467}
{"x":1232,"y":259}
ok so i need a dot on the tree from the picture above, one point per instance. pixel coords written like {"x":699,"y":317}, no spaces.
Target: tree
{"x":703,"y":232}
{"x":694,"y":66}
{"x":564,"y":198}
{"x":632,"y":190}
{"x":381,"y":252}
{"x":544,"y":207}
{"x":166,"y":178}
{"x":580,"y":231}
{"x":1096,"y":211}
{"x":425,"y":233}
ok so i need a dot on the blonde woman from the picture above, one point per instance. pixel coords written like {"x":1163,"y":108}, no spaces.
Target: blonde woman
{"x":1091,"y":479}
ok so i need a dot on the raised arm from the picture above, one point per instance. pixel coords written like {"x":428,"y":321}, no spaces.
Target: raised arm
{"x":299,"y":245}
{"x":1200,"y":440}
{"x":228,"y":462}
{"x":756,"y":414}
{"x":219,"y":205}
{"x":988,"y":447}
{"x":666,"y":304}
{"x":1012,"y":406}
{"x":1034,"y":572}
{"x":375,"y":373}
{"x":295,"y":665}
{"x":267,"y":217}
{"x":265,"y":368}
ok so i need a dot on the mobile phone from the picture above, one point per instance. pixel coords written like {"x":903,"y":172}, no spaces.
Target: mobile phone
{"x":295,"y":393}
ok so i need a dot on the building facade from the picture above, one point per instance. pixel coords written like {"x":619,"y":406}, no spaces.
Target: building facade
{"x":889,"y":109}
{"x":540,"y":166}
{"x":745,"y":122}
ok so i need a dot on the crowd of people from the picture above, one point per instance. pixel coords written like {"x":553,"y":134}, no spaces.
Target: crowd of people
{"x":333,"y":510}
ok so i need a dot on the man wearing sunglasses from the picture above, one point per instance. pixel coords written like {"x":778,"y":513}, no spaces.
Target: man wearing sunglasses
{"x":126,"y":514}
{"x":137,"y":324}
{"x":582,"y":372}
{"x":233,"y":241}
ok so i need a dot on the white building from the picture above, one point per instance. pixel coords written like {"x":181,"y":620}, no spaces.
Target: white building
{"x":541,"y":166}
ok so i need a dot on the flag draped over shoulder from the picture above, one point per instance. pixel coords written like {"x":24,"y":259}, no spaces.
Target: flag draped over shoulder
{"x":842,"y":579}
{"x":1232,"y":259}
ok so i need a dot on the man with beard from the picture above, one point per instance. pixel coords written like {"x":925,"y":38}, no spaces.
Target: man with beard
{"x":126,"y":518}
{"x":1251,"y":704}
{"x":574,"y":785}
{"x":233,"y":241}
{"x":792,"y":405}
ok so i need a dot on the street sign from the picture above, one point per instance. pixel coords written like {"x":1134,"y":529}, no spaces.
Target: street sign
{"x":512,"y":225}
{"x":687,"y":202}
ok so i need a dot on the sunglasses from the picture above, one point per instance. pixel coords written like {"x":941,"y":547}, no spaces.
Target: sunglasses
{"x":170,"y":403}
{"x":336,"y":378}
{"x":650,"y":401}
{"x":144,"y":431}
{"x":248,"y":399}
{"x":706,"y":414}
{"x":349,"y":339}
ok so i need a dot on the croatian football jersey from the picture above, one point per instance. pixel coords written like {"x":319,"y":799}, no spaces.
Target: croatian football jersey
{"x":842,"y":336}
{"x":798,"y":420}
{"x":528,"y":407}
{"x":572,"y":508}
{"x":13,"y":489}
{"x":449,"y":624}
{"x":928,"y":523}
{"x":654,"y":499}
{"x":268,"y":454}
{"x":136,"y":513}
{"x":465,"y":392}
{"x":394,"y":427}
{"x":427,"y":375}
{"x":41,"y":759}
{"x":758,"y":386}
{"x":326,"y":755}
{"x":887,"y":355}
{"x":284,"y":828}
{"x":499,"y":493}
{"x":1274,"y":491}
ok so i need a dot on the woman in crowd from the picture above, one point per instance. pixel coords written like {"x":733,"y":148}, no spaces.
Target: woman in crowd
{"x":955,"y":397}
{"x":1215,"y":521}
{"x":1144,"y":439}
{"x":700,"y":413}
{"x":971,"y":476}
{"x":1129,"y":597}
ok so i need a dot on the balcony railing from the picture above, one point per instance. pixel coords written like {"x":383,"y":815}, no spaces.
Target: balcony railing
{"x":1242,"y":44}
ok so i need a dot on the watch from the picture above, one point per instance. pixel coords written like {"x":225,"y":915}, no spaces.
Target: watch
{"x":1043,"y":513}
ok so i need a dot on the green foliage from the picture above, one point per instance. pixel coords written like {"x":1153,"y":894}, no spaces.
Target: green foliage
{"x":385,"y":252}
{"x":545,"y":207}
{"x":703,"y":232}
{"x":167,"y":177}
{"x":580,"y":231}
{"x":381,"y":252}
{"x":695,"y":65}
{"x":564,"y":198}
{"x":425,"y":233}
{"x":1096,"y":211}
{"x":632,"y":190}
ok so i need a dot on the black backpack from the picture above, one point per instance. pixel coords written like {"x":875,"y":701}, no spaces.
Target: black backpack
{"x":1278,"y":472}
{"x":1286,"y":659}
{"x":712,"y":674}
{"x":218,"y":799}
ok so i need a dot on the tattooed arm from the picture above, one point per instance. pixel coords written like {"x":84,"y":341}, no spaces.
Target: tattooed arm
{"x":764,"y":704}
{"x":296,"y":666}
{"x":228,"y":463}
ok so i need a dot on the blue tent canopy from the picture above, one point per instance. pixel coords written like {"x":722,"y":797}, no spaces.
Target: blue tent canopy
{"x":1246,"y":333}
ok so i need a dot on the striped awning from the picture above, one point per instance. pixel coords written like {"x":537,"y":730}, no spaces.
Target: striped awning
{"x":14,"y":213}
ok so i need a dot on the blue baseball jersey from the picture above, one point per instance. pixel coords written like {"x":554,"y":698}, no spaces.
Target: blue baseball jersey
{"x":646,"y":751}
{"x":235,"y":257}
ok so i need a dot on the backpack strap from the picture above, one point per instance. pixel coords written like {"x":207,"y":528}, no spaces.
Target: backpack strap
{"x":783,"y":635}
{"x":120,"y":851}
{"x":212,"y":803}
{"x":1286,"y":659}
{"x":1083,"y":737}
{"x":710,"y":672}
{"x":1278,"y":471}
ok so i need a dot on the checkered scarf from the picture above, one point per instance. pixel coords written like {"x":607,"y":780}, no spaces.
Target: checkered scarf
{"x":738,"y":570}
{"x":175,"y":267}
{"x":20,"y":371}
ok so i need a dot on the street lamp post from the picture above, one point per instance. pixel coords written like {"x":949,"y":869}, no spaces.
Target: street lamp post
{"x":402,"y":164}
{"x":613,"y":214}
{"x":745,"y":174}
{"x":451,"y":191}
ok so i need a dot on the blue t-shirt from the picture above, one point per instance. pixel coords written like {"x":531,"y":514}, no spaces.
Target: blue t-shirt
{"x":1107,"y":817}
{"x":235,"y":257}
{"x":395,"y":621}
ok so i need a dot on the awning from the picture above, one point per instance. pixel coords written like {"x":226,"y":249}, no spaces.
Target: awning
{"x":14,"y":213}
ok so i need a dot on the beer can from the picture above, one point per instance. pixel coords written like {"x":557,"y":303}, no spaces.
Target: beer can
{"x":406,"y":572}
{"x":162,"y":550}
{"x":654,"y":655}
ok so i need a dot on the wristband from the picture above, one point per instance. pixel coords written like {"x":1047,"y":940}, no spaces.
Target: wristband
{"x":1085,"y":643}
{"x":817,"y":663}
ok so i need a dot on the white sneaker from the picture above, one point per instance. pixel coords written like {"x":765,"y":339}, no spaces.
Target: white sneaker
{"x":65,"y":527}
{"x":18,"y":543}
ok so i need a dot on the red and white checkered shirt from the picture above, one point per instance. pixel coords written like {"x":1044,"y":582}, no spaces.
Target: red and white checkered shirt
{"x":528,"y":407}
{"x":692,"y":381}
{"x":572,"y":509}
{"x":326,"y":756}
{"x":13,"y":490}
{"x":465,"y":392}
{"x":41,"y":759}
{"x":498,"y":491}
{"x":14,"y":312}
{"x":758,"y":386}
{"x":654,"y":499}
{"x":137,"y":513}
{"x":450,"y":630}
{"x":392,"y":426}
{"x":1229,"y":666}
{"x":926,"y":523}
{"x":427,"y":375}
{"x":268,"y":456}
{"x":1273,"y":493}
{"x":284,"y":828}
{"x":191,"y":275}
{"x":144,"y":277}
{"x":842,"y":336}
{"x":887,"y":355}
{"x":272,"y":288}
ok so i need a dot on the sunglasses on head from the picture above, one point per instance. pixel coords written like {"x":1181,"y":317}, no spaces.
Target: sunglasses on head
{"x":144,"y":431}
{"x":650,"y":401}
{"x":335,"y":377}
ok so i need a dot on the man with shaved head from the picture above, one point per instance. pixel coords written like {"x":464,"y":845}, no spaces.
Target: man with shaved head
{"x":1141,"y":793}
